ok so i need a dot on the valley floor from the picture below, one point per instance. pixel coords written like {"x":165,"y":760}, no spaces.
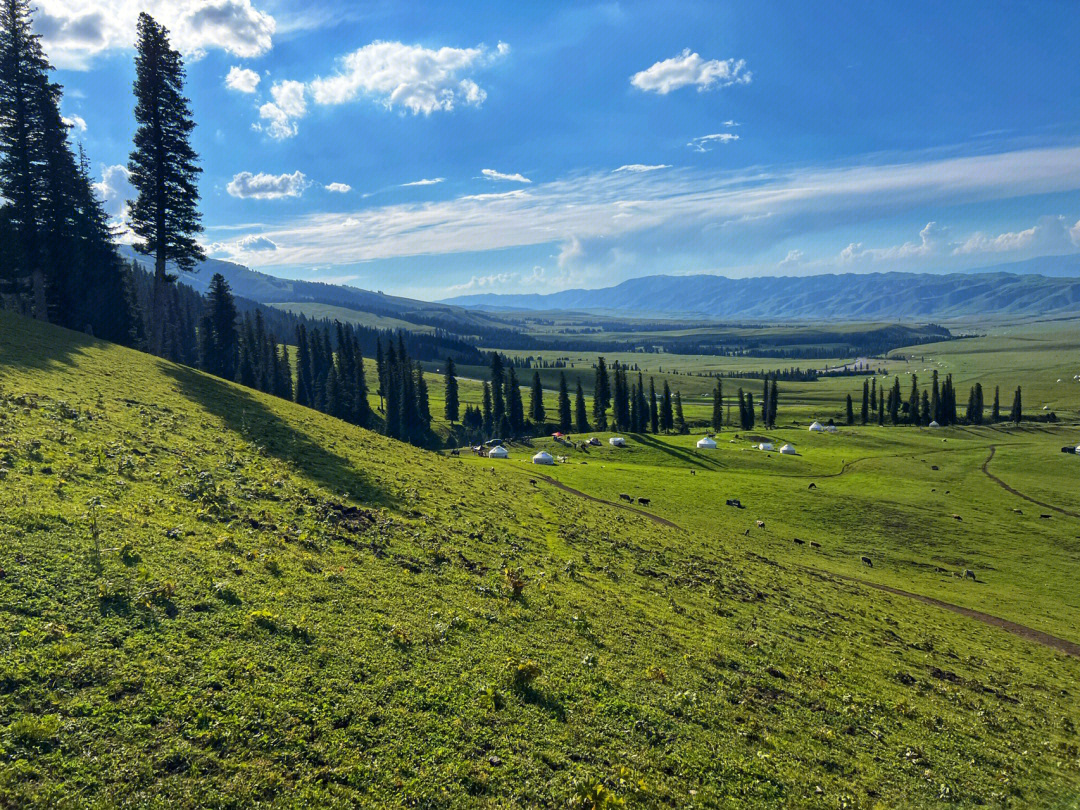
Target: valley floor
{"x":213,"y":598}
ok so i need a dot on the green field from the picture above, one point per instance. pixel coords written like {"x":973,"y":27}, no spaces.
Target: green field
{"x":214,"y":598}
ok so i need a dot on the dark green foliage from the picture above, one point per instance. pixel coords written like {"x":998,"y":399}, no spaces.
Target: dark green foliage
{"x":219,"y":341}
{"x":451,"y":408}
{"x":667,"y":418}
{"x":565,"y":422}
{"x":601,"y":395}
{"x":849,"y":413}
{"x":680,"y":420}
{"x":995,"y":414}
{"x":163,"y":167}
{"x":1017,"y":412}
{"x":865,"y":402}
{"x":717,"y":421}
{"x":654,"y":412}
{"x":536,"y":402}
{"x":581,"y":415}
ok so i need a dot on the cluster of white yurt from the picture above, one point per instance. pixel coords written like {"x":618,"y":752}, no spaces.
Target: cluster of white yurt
{"x":543,"y":457}
{"x":788,"y":450}
{"x":617,"y":441}
{"x":706,"y":443}
{"x":766,"y":446}
{"x":498,"y":451}
{"x":935,"y":424}
{"x":816,"y":427}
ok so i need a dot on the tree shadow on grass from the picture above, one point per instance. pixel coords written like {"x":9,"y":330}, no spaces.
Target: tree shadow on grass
{"x":681,"y":455}
{"x":247,"y":416}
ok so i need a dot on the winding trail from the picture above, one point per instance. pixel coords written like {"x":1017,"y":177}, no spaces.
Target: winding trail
{"x":594,"y":499}
{"x":1018,"y":494}
{"x":1021,"y":630}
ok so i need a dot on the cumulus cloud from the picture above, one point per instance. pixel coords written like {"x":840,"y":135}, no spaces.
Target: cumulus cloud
{"x":75,"y":122}
{"x":407,"y":77}
{"x":427,"y":181}
{"x":115,"y":190}
{"x":248,"y":186}
{"x":690,"y":69}
{"x":254,"y":242}
{"x":642,"y":167}
{"x":74,"y":34}
{"x":281,"y":113}
{"x":793,"y":257}
{"x":491,"y":174}
{"x":1049,"y":236}
{"x":241,"y":79}
{"x":706,"y":142}
{"x":338,"y":188}
{"x":932,"y":239}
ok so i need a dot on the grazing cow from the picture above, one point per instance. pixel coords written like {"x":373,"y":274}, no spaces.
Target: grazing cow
{"x":868,"y":562}
{"x":799,"y":542}
{"x":812,"y":485}
{"x":1019,"y":511}
{"x":624,"y":497}
{"x":455,"y":452}
{"x":969,"y":574}
{"x":934,"y":467}
{"x":761,"y":524}
{"x":815,"y":544}
{"x":957,"y":517}
{"x":693,"y":472}
{"x":532,"y":481}
{"x":1045,"y":517}
{"x":746,"y":533}
{"x":644,"y":501}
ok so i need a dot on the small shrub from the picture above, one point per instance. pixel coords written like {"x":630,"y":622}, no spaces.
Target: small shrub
{"x":515,"y":578}
{"x":656,"y":674}
{"x":264,"y":619}
{"x":522,"y":672}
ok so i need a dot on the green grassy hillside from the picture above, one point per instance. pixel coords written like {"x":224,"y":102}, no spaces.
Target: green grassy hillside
{"x":213,"y":598}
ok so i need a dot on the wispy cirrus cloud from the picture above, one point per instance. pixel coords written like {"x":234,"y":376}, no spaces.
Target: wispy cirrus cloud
{"x":427,"y":181}
{"x":689,"y":69}
{"x":642,"y":167}
{"x":516,"y":177}
{"x":682,"y":206}
{"x":707,"y":142}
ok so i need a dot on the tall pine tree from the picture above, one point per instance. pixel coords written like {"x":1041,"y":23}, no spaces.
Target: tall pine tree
{"x":162,"y":168}
{"x":452,"y":405}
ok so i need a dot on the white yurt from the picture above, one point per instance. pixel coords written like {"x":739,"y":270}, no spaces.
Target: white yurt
{"x":617,"y":441}
{"x":1078,"y":449}
{"x":816,"y":427}
{"x":498,"y":451}
{"x":543,"y":457}
{"x":788,"y":450}
{"x":832,"y":428}
{"x":935,"y":423}
{"x":705,"y":443}
{"x":766,"y":446}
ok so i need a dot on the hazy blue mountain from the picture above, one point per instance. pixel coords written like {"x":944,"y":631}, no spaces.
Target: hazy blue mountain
{"x":870,"y":296}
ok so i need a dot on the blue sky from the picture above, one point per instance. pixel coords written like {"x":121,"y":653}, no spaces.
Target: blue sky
{"x":436,"y":149}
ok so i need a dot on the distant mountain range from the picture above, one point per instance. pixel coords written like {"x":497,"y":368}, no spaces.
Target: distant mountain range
{"x":854,"y":296}
{"x":266,"y":289}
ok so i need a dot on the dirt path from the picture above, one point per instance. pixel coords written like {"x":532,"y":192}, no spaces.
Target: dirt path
{"x":1029,"y":633}
{"x":594,"y":499}
{"x":1007,"y":488}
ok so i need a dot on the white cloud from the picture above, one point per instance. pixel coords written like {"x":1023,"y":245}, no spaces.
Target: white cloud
{"x":690,"y":69}
{"x":793,"y":257}
{"x":248,"y":186}
{"x":254,"y":242}
{"x":675,"y":206}
{"x":75,"y":122}
{"x":931,"y":243}
{"x":288,"y":105}
{"x":491,"y":174}
{"x":242,"y":79}
{"x":642,"y":167}
{"x":571,"y":252}
{"x":730,"y":123}
{"x":115,"y":190}
{"x":1051,"y":235}
{"x":410,"y":77}
{"x":419,"y":79}
{"x":75,"y":32}
{"x":425,"y":182}
{"x":480,"y":282}
{"x":706,"y":142}
{"x":338,"y":188}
